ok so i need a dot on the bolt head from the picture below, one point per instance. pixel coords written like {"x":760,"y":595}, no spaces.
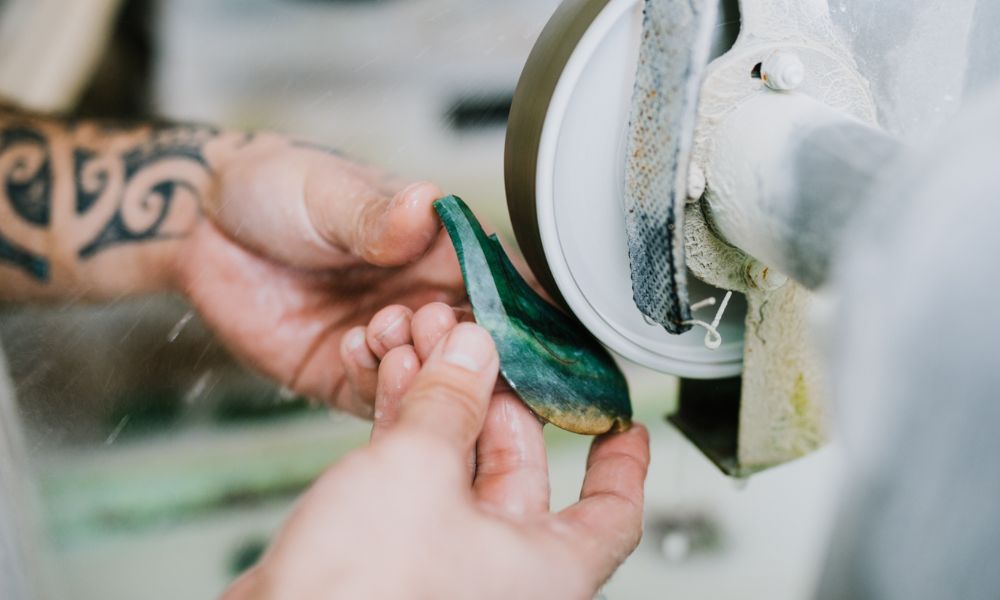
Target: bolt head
{"x":782,"y":71}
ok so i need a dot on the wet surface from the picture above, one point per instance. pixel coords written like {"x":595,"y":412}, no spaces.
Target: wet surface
{"x":550,"y":360}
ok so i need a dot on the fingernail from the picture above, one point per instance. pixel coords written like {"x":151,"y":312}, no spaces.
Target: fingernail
{"x":392,"y":327}
{"x":469,"y":347}
{"x":402,"y":198}
{"x":358,"y":348}
{"x":408,"y":197}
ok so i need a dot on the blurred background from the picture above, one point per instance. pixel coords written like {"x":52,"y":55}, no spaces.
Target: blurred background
{"x":163,"y":466}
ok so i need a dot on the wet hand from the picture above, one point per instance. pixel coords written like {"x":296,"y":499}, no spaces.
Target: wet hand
{"x":409,"y":516}
{"x":299,"y":246}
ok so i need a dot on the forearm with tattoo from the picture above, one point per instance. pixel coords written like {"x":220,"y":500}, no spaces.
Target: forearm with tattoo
{"x":91,"y":209}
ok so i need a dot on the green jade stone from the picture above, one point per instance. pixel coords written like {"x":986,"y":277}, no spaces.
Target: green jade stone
{"x":549,"y":359}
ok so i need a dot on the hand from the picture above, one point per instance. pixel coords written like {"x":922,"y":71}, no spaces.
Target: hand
{"x":407,"y":517}
{"x":301,"y":245}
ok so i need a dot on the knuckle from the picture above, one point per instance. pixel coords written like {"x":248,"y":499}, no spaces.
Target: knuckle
{"x":404,"y":449}
{"x":502,"y":461}
{"x":434,"y":318}
{"x":366,"y":226}
{"x":628,"y":506}
{"x":450,"y":392}
{"x":620,"y":461}
{"x":398,"y":356}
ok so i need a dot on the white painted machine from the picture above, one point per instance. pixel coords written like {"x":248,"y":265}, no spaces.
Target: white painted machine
{"x":646,"y":180}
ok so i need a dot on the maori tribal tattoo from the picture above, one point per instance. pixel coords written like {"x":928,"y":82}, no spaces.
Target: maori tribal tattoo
{"x":127,"y":185}
{"x":27,"y":185}
{"x":153,"y":176}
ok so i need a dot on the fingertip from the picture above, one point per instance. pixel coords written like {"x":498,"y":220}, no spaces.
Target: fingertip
{"x":637,"y":431}
{"x":641,"y":431}
{"x":420,"y":194}
{"x":354,"y":349}
{"x":388,"y":329}
{"x":399,"y":360}
{"x":450,"y":395}
{"x":470,"y":347}
{"x":429,"y":325}
{"x":360,"y":370}
{"x":396,"y":374}
{"x":618,"y":462}
{"x":407,"y":229}
{"x":633,"y":442}
{"x":611,"y":499}
{"x":397,"y":370}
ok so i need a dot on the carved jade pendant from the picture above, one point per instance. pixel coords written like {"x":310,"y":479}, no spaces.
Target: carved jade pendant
{"x":549,"y":359}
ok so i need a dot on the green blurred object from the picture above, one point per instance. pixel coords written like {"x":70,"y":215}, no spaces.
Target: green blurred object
{"x":550,"y":360}
{"x":246,"y":555}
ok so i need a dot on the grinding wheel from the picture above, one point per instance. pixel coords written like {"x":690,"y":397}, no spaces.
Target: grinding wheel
{"x":564,"y":170}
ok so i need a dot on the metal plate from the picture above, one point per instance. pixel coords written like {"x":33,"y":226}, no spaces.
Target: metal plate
{"x":565,"y":181}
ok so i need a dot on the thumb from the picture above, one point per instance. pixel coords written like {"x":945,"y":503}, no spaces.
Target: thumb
{"x":383,"y":229}
{"x":450,"y":395}
{"x":312,"y":210}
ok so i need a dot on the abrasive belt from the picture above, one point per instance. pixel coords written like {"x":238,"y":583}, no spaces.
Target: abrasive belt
{"x":676,"y":40}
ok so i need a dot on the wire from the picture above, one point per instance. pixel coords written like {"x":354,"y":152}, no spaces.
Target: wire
{"x":713,"y":339}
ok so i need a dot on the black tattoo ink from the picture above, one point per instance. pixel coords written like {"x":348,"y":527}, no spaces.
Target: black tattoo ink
{"x":87,"y":194}
{"x":141,"y":181}
{"x":27,"y":187}
{"x":33,"y":265}
{"x":118,"y":232}
{"x":175,"y":144}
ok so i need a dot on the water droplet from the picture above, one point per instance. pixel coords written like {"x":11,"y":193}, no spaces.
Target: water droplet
{"x":117,"y":431}
{"x":199,"y":387}
{"x":179,"y":327}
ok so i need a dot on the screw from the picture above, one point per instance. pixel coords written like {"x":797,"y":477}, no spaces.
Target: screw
{"x":782,"y":71}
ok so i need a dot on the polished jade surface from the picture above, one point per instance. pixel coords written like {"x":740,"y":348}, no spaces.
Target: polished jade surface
{"x":549,"y":359}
